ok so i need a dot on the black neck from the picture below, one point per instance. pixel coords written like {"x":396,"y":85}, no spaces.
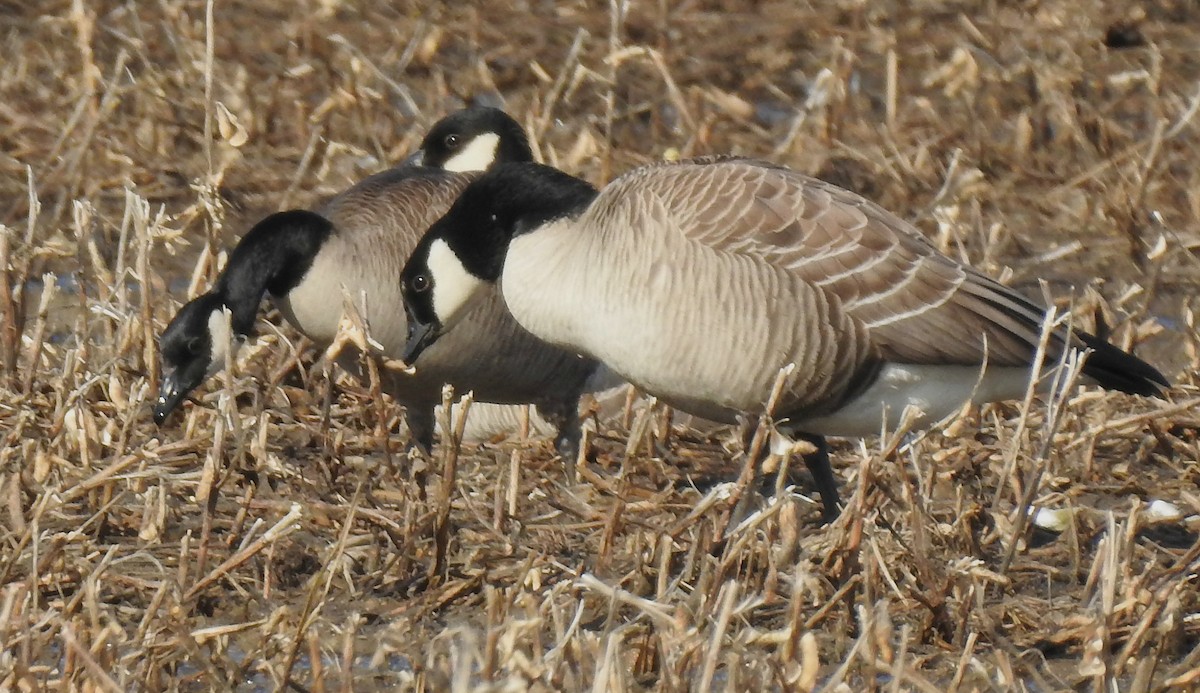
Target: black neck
{"x":273,"y":256}
{"x":509,"y":200}
{"x":514,"y":147}
{"x":547,"y":195}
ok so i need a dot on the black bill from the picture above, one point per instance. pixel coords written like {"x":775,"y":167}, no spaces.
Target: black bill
{"x":170,"y":394}
{"x":417,"y":158}
{"x":421,"y":336}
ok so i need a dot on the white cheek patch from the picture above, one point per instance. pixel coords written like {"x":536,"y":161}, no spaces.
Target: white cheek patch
{"x":453,"y":285}
{"x":223,"y":343}
{"x":478,"y":155}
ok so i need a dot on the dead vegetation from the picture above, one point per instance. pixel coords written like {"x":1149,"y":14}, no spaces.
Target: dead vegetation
{"x":275,"y":538}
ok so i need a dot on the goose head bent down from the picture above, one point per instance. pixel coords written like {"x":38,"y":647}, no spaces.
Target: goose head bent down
{"x":700,"y":281}
{"x":274,"y":255}
{"x":463,"y":253}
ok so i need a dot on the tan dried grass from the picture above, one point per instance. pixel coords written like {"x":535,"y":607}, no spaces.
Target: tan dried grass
{"x":269,"y":540}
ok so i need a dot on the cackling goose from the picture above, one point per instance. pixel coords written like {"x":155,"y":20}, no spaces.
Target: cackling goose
{"x":699,"y":281}
{"x":358,"y":243}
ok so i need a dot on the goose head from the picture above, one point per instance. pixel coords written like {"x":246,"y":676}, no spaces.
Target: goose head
{"x":194,"y":346}
{"x":473,"y":139}
{"x":464,"y":251}
{"x":273,"y":256}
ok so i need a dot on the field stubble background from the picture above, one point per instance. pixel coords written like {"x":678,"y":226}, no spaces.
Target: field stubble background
{"x":276,"y":537}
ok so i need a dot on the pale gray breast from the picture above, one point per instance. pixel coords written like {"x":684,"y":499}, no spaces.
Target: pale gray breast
{"x":703,"y":329}
{"x":377,"y":223}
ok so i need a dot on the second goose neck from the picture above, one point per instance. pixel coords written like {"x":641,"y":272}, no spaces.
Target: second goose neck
{"x":273,"y":256}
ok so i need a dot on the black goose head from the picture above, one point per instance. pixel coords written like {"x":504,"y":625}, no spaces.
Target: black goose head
{"x":192,"y":347}
{"x":465,"y":249}
{"x":473,"y":139}
{"x":273,"y":256}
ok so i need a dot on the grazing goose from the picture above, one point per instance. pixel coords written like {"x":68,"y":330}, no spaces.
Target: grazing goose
{"x":699,"y":281}
{"x":359,"y":242}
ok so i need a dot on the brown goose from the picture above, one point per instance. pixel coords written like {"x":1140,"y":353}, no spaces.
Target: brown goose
{"x":358,"y":244}
{"x":698,"y":282}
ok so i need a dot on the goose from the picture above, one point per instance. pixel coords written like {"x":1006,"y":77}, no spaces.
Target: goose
{"x":699,"y":281}
{"x":356,"y":245}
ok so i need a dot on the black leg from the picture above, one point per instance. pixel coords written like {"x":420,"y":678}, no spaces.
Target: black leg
{"x":818,"y":464}
{"x":564,"y":416}
{"x":420,"y":428}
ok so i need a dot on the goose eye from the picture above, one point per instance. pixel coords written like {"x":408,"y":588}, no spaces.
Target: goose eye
{"x":420,"y":283}
{"x":452,"y":141}
{"x":194,"y":346}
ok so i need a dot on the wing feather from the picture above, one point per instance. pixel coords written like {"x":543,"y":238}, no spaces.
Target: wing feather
{"x":917,"y":305}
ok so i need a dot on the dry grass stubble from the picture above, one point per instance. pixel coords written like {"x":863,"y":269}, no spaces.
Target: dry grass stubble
{"x":273,"y":535}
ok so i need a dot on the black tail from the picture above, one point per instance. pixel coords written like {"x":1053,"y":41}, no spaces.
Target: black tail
{"x":1114,"y":369}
